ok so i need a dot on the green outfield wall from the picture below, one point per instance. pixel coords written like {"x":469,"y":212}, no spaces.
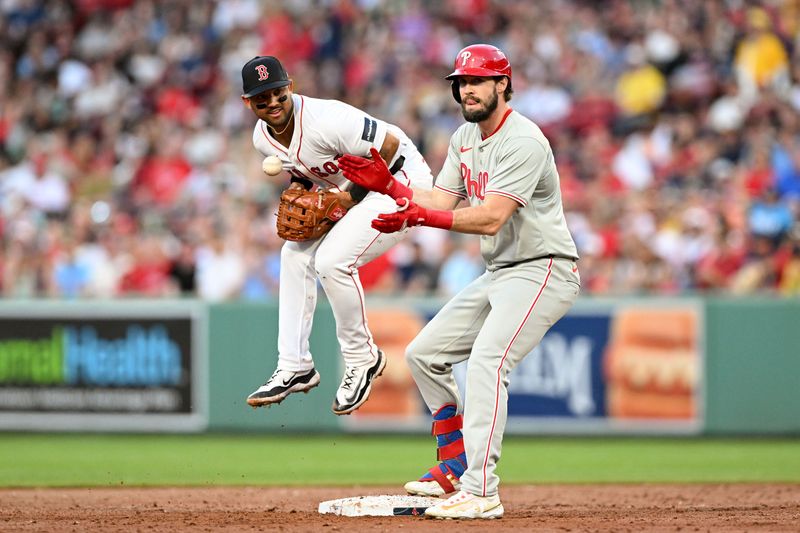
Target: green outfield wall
{"x":242,"y":355}
{"x":752,"y":366}
{"x":187,"y":366}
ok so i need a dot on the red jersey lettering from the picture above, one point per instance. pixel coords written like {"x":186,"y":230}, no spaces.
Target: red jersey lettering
{"x":475,"y":187}
{"x":328,"y":169}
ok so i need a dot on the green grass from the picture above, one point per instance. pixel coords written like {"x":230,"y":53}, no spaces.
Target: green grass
{"x":28,"y":460}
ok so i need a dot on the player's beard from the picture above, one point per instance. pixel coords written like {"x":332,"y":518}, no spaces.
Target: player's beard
{"x":279,"y":127}
{"x":481,"y":114}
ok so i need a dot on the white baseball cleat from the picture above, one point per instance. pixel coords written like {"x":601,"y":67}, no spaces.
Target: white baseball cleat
{"x":430,"y":488}
{"x":356,"y":385}
{"x":281,"y":384}
{"x":465,"y":505}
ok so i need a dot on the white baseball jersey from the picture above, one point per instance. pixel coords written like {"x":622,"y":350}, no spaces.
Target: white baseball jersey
{"x":323,"y":131}
{"x":516,"y":162}
{"x":326,"y":129}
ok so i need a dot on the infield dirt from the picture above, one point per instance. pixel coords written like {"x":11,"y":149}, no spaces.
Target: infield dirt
{"x":693,"y":507}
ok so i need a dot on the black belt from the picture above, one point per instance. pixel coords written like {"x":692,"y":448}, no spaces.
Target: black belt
{"x":532,"y":259}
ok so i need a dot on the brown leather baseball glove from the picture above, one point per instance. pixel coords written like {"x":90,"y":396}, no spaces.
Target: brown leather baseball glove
{"x":307,"y":215}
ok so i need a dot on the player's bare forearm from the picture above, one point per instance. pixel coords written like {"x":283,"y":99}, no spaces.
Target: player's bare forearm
{"x":434,"y":199}
{"x":389,"y":147}
{"x":485,"y":219}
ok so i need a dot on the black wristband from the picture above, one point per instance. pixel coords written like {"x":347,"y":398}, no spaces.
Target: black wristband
{"x":397,"y":165}
{"x":305,"y":182}
{"x":357,"y":192}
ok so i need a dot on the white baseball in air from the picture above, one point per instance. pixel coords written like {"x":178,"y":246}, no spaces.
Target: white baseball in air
{"x":272,"y":165}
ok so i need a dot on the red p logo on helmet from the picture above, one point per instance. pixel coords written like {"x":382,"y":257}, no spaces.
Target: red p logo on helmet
{"x":481,"y":60}
{"x":263,"y":74}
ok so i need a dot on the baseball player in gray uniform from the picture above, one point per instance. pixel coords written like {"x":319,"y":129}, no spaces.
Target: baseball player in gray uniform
{"x":502,"y":164}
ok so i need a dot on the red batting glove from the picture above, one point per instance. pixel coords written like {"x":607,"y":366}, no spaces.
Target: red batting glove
{"x":373,"y":174}
{"x":410,"y":214}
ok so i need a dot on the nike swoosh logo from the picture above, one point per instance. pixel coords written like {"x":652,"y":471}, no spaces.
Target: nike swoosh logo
{"x":465,"y":149}
{"x":575,"y":269}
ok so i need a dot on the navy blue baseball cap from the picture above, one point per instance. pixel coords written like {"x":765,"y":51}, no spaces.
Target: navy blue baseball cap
{"x":263,"y":73}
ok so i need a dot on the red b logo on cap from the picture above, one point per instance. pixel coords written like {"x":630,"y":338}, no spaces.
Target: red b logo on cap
{"x":262,"y":72}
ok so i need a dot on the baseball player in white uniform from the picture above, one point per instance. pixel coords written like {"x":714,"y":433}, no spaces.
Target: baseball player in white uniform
{"x":309,"y":135}
{"x":502,"y":164}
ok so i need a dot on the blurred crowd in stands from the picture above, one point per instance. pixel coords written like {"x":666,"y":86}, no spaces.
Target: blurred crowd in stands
{"x":127,"y":167}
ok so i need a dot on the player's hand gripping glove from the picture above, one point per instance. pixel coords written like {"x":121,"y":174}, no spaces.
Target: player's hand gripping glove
{"x":373,"y":174}
{"x":305,"y":215}
{"x":411,"y":214}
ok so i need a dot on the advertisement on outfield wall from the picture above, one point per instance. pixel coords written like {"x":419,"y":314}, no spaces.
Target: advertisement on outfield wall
{"x":606,"y":367}
{"x":126,"y":366}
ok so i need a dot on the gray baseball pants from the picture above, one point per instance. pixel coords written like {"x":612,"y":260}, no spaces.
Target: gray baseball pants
{"x":494,"y":323}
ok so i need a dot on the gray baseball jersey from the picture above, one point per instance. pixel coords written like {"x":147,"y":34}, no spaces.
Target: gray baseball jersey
{"x":516,"y":162}
{"x":531,"y":282}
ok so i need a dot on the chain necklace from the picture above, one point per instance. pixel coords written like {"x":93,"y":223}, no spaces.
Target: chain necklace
{"x":288,"y":122}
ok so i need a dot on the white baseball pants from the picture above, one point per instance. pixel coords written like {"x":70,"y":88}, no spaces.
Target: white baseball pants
{"x":334,"y":260}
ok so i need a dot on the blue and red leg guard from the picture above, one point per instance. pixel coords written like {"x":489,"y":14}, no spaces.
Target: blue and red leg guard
{"x":450,"y":448}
